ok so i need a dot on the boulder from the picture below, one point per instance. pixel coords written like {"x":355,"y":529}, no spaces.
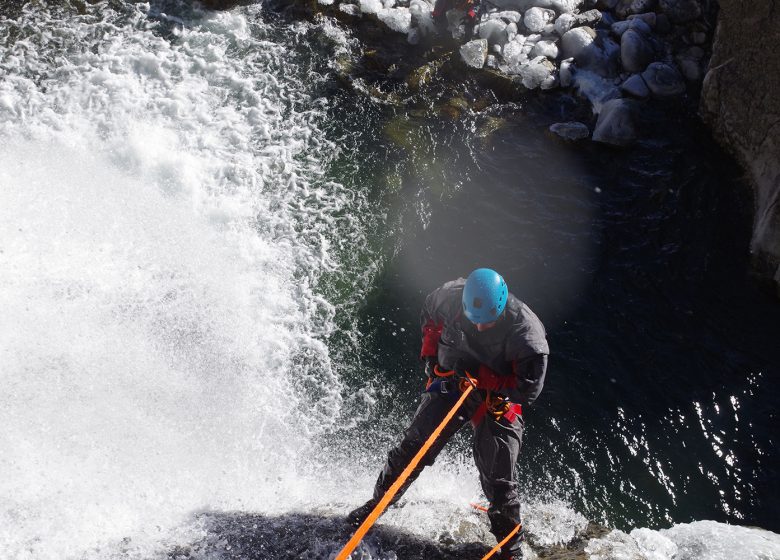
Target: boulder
{"x":370,"y":6}
{"x":681,"y":11}
{"x":422,"y":16}
{"x":474,"y":53}
{"x":635,"y":86}
{"x":589,"y":17}
{"x":511,"y":31}
{"x":564,"y":23}
{"x":616,"y":123}
{"x":565,"y":6}
{"x":577,"y":43}
{"x":570,"y":130}
{"x":494,"y":30}
{"x":397,"y":19}
{"x":507,"y":15}
{"x":538,"y":72}
{"x":641,"y":6}
{"x":620,"y":27}
{"x":690,"y":68}
{"x":350,"y":9}
{"x":536,"y":19}
{"x":514,"y":56}
{"x":636,"y":52}
{"x":649,"y":18}
{"x":663,"y":80}
{"x":547,"y":49}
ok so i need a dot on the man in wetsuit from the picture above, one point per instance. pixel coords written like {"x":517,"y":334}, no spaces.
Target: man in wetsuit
{"x":475,"y":326}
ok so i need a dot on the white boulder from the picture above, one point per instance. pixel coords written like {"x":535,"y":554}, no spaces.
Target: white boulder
{"x":536,"y":19}
{"x":538,"y":72}
{"x":397,"y":19}
{"x":474,"y":53}
{"x":370,"y":6}
{"x":564,"y":23}
{"x":576,"y":43}
{"x":494,"y":30}
{"x":547,"y":49}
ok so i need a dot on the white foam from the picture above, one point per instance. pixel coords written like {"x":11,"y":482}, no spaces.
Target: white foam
{"x":161,"y":228}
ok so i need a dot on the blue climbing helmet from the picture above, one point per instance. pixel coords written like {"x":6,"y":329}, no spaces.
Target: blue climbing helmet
{"x":484,"y":296}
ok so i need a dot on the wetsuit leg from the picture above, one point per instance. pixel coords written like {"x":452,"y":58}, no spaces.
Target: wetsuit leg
{"x":432,"y":410}
{"x":496,"y":449}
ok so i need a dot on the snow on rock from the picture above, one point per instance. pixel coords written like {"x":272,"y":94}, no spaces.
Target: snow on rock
{"x":545,"y":48}
{"x":397,"y":19}
{"x":474,"y":53}
{"x":700,"y":540}
{"x":508,"y":15}
{"x":494,"y":30}
{"x":370,"y":6}
{"x":565,"y":6}
{"x":422,"y":16}
{"x":538,"y":73}
{"x":350,"y":9}
{"x":514,"y":55}
{"x":326,"y":2}
{"x":577,"y":43}
{"x":564,"y":23}
{"x":535,"y":19}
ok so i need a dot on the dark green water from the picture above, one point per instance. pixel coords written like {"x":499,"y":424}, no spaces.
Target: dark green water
{"x":663,"y":379}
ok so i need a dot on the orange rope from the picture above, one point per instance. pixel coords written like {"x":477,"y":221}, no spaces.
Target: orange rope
{"x":393,"y":490}
{"x":479,"y":507}
{"x":496,"y":548}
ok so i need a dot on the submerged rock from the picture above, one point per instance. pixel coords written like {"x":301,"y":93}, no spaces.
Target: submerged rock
{"x":616,"y":123}
{"x":474,"y":53}
{"x":570,"y":130}
{"x":663,"y":80}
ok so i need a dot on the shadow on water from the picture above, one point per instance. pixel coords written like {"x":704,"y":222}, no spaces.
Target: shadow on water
{"x":245,"y":536}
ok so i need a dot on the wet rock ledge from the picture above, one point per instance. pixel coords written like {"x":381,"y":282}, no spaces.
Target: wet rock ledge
{"x":740,"y":103}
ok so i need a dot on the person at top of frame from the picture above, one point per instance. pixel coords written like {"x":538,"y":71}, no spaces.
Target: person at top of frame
{"x":475,"y":327}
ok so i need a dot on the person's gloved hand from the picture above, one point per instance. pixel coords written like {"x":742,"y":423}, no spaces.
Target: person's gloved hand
{"x":430,"y":364}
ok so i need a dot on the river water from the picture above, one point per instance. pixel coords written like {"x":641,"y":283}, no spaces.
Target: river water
{"x":212,"y":259}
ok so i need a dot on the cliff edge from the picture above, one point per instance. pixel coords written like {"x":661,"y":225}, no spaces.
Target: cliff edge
{"x":740,"y":103}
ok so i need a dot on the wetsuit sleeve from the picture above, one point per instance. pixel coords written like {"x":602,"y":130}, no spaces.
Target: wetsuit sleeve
{"x":432,"y":323}
{"x":529,"y":379}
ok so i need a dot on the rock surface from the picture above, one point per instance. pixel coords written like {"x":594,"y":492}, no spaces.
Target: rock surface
{"x":616,"y":124}
{"x":740,"y":102}
{"x":570,"y":130}
{"x":474,"y":53}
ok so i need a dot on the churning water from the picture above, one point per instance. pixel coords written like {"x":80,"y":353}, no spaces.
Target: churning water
{"x":180,"y":278}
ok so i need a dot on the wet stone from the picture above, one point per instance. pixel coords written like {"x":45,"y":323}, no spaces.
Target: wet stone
{"x":615,"y":124}
{"x":635,"y":51}
{"x":570,"y":130}
{"x":681,"y":11}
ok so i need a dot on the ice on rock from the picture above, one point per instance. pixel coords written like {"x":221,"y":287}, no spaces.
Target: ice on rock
{"x":422,"y":17}
{"x":494,"y":31}
{"x":538,"y":72}
{"x":370,"y":6}
{"x":397,"y":19}
{"x":564,"y":23}
{"x":514,"y":55}
{"x":474,"y":53}
{"x":577,"y":43}
{"x":511,"y":31}
{"x":565,"y":6}
{"x":326,"y":2}
{"x":545,"y":48}
{"x":508,"y":15}
{"x":350,"y":9}
{"x":535,"y":19}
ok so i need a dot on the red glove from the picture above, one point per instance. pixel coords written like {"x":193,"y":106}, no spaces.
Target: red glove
{"x":491,"y":381}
